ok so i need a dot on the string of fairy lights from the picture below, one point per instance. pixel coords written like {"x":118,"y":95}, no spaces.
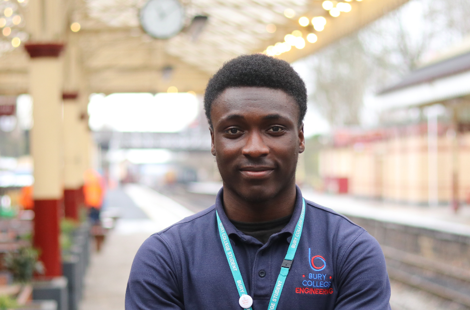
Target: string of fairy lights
{"x":11,"y":24}
{"x":313,"y":25}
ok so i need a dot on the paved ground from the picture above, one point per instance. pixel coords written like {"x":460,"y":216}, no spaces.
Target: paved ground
{"x":105,"y":282}
{"x":144,"y":211}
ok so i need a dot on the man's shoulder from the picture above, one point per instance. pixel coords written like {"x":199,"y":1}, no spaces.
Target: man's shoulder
{"x":323,"y":213}
{"x":338,"y":229}
{"x":169,"y":245}
{"x":191,"y":224}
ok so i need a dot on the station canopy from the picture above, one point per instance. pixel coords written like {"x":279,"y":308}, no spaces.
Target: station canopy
{"x":116,"y":55}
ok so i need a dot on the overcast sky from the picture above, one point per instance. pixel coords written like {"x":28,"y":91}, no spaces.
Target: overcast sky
{"x":142,"y":111}
{"x":160,"y":113}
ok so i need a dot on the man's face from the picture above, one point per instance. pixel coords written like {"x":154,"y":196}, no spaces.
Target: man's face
{"x":256,"y":140}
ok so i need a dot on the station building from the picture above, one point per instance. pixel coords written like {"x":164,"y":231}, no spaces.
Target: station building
{"x":421,"y":155}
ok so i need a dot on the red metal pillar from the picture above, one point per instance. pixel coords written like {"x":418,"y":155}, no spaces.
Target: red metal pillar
{"x":72,"y":163}
{"x":71,"y":204}
{"x":46,"y":235}
{"x":45,"y":87}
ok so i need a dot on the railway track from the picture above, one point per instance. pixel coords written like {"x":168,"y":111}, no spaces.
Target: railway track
{"x":437,"y":278}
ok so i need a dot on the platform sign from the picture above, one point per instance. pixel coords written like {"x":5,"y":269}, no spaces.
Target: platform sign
{"x":7,"y":109}
{"x":7,"y":105}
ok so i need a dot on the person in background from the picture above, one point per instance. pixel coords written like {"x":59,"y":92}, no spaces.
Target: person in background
{"x":93,"y":191}
{"x":26,"y":198}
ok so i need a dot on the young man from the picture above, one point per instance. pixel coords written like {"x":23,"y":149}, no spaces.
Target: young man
{"x":261,"y":246}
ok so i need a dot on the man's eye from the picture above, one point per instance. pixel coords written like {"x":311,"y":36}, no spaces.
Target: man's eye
{"x":233,"y":131}
{"x":276,"y":129}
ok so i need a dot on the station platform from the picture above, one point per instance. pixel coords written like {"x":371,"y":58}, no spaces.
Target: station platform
{"x":144,"y":211}
{"x":441,"y":218}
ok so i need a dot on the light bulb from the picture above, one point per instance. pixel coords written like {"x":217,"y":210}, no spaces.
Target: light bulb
{"x":303,"y":21}
{"x":319,"y":20}
{"x":16,"y":19}
{"x":75,"y":27}
{"x":335,"y":12}
{"x":312,"y":38}
{"x":8,"y":12}
{"x":300,"y":44}
{"x":327,"y":5}
{"x":6,"y":31}
{"x":289,"y":13}
{"x":16,"y":42}
{"x":172,"y":89}
{"x":290,"y":39}
{"x":344,"y":7}
{"x":271,"y":28}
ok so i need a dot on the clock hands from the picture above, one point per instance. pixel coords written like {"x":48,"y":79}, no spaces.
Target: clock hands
{"x":162,"y":19}
{"x":160,"y":12}
{"x":163,"y":13}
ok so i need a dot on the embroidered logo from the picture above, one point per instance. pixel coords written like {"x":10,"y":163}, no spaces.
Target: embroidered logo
{"x":317,"y":262}
{"x":316,"y":283}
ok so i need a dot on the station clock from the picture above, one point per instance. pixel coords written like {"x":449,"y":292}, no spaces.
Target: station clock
{"x":162,"y":19}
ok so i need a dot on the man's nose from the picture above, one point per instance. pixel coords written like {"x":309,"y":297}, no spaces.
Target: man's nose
{"x":255,"y":146}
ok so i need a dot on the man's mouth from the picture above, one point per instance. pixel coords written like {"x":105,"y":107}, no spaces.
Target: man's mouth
{"x":256,"y":172}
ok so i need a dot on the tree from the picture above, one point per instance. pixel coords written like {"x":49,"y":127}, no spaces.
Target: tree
{"x":382,"y":53}
{"x":341,"y":73}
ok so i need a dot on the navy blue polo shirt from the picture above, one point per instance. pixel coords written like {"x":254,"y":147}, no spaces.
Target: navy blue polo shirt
{"x":338,"y":265}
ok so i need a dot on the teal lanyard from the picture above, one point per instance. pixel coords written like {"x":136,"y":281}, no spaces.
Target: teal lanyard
{"x":285,"y":267}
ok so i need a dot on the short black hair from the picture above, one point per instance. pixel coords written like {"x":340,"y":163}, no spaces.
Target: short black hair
{"x":257,"y":70}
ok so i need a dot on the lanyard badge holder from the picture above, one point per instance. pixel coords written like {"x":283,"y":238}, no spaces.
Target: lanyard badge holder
{"x":245,"y":300}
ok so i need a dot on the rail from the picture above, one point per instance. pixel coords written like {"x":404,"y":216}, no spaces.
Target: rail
{"x":446,"y":281}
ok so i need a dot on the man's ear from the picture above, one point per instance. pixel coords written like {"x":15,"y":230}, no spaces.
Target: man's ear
{"x":212,"y":141}
{"x":301,"y":139}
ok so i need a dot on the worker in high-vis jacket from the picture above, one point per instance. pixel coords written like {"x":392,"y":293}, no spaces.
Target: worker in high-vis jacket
{"x":261,"y":245}
{"x":93,"y":191}
{"x":26,"y":198}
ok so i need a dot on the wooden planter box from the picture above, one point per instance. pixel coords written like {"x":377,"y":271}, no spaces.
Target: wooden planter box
{"x":22,"y":293}
{"x":54,"y":289}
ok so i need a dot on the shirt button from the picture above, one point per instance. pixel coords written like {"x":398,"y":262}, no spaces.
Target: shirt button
{"x":262,"y":273}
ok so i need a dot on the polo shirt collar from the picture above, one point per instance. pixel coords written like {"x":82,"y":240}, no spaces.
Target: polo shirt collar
{"x":232,"y":230}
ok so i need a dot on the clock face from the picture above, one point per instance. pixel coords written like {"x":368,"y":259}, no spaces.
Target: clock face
{"x":162,"y":19}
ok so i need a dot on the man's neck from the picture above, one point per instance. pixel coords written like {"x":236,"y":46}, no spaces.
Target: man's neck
{"x":240,"y":210}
